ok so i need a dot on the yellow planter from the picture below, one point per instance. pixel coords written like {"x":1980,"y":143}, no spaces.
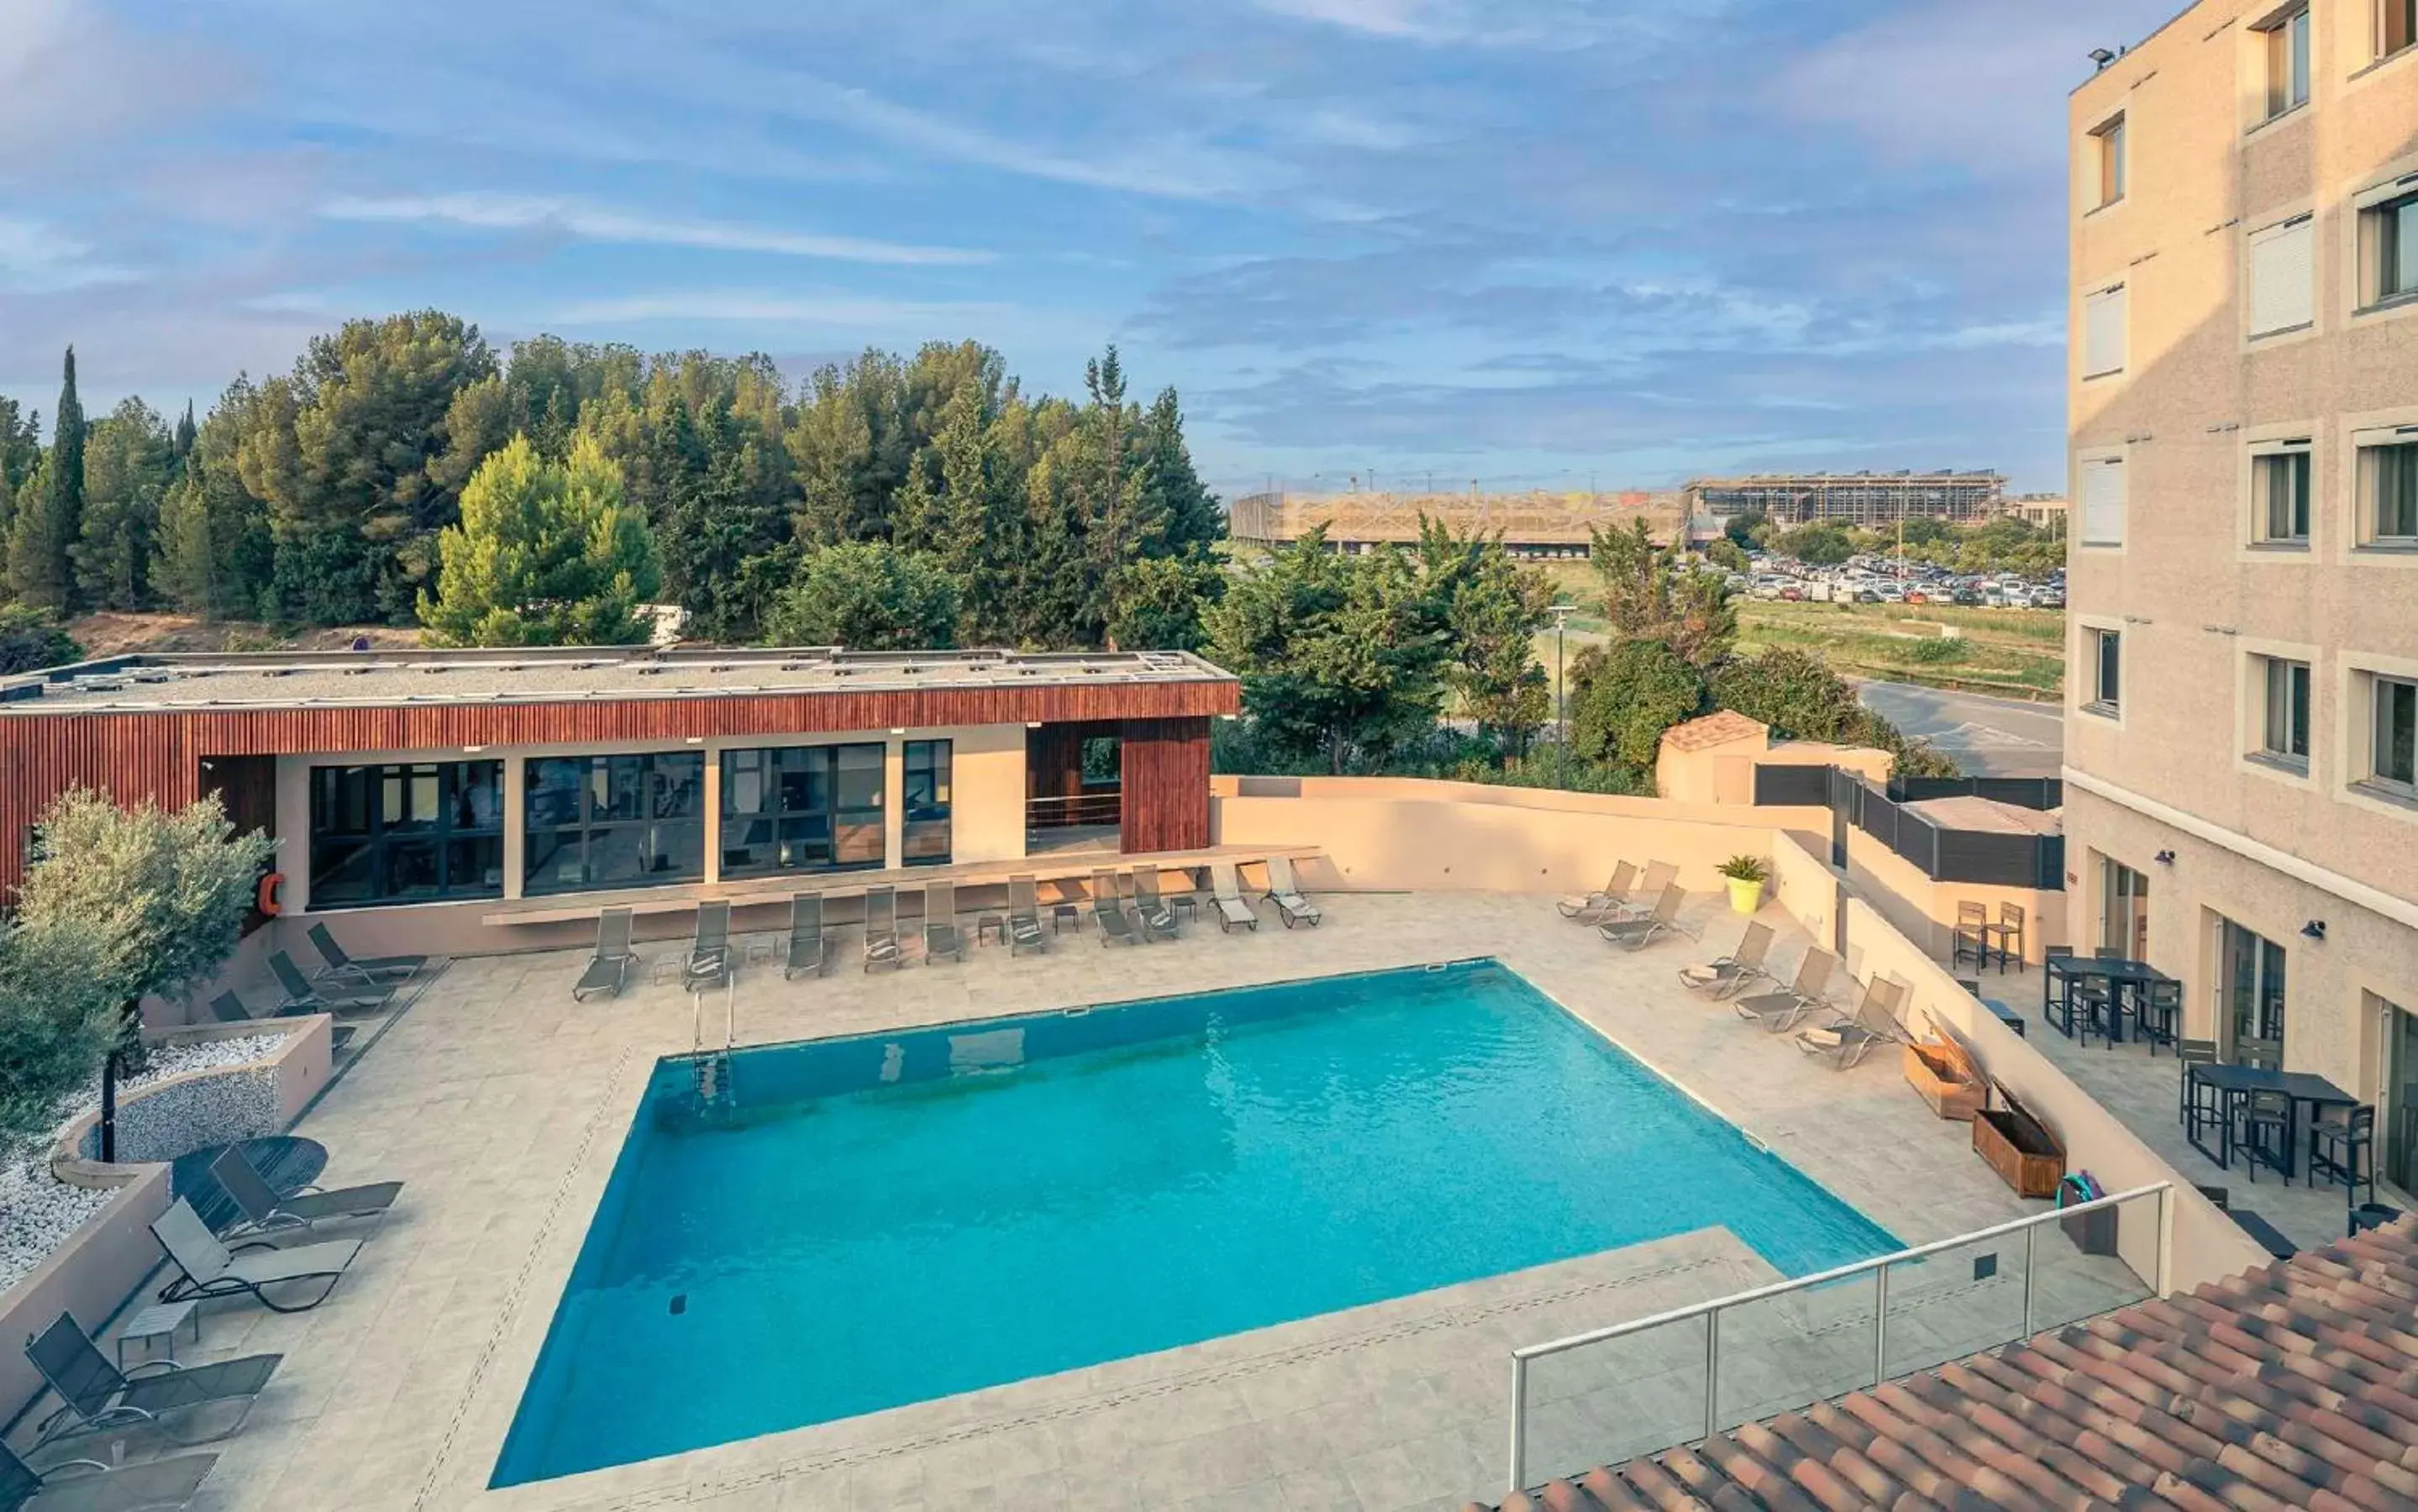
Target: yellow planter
{"x":1745,"y":896}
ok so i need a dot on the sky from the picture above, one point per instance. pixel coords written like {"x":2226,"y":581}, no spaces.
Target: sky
{"x":1525,"y":243}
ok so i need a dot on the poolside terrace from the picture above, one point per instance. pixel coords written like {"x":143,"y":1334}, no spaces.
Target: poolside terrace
{"x":503,"y":1105}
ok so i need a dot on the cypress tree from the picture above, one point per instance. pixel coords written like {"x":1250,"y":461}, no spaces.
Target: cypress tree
{"x":49,"y":519}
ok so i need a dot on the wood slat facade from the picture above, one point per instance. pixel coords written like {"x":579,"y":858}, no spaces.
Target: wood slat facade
{"x":159,"y":755}
{"x":1165,"y":784}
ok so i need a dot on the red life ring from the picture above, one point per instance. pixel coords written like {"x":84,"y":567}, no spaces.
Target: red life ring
{"x":268,"y":898}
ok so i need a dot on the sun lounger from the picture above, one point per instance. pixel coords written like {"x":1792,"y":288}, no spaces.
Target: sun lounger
{"x":807,"y":955}
{"x":881,"y":927}
{"x":1784,"y":1009}
{"x":1291,"y":905}
{"x":302,"y":997}
{"x":1024,"y":916}
{"x":708,"y":949}
{"x":1158,"y":919}
{"x":228,"y":1009}
{"x":1843,"y":1044}
{"x":1638,"y":933}
{"x":267,"y":1215}
{"x":210,"y":1269}
{"x":185,"y":1404}
{"x":1109,"y":911}
{"x":1725,"y":976}
{"x":372,"y":971}
{"x":1590,"y":908}
{"x":609,"y":968}
{"x":942,"y":936}
{"x":1640,"y":902}
{"x":1232,"y":907}
{"x":92,"y":1486}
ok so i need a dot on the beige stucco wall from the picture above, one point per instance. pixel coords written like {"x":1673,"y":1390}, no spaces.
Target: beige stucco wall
{"x":90,"y":1277}
{"x":2191,"y":597}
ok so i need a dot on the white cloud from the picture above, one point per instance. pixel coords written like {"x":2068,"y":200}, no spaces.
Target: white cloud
{"x":741,"y":305}
{"x":516,"y":212}
{"x":37,"y":258}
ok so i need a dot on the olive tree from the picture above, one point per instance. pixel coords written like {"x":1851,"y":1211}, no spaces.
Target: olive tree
{"x":57,"y":1021}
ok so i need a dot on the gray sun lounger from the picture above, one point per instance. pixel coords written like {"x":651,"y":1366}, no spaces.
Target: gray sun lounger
{"x":370,"y":972}
{"x":1232,"y":907}
{"x":303,"y":997}
{"x":1592,"y":908}
{"x":1640,"y":904}
{"x":1843,"y":1044}
{"x":1782,"y":1010}
{"x":942,"y":936}
{"x":210,"y":1269}
{"x":1725,"y":976}
{"x":1109,"y":911}
{"x":1291,"y":905}
{"x":227,"y":1008}
{"x":1024,"y":916}
{"x":808,"y":954}
{"x":1638,"y":933}
{"x":608,"y":969}
{"x":183,"y":1404}
{"x":267,"y":1215}
{"x":880,"y":926}
{"x":91,"y":1486}
{"x":708,"y":949}
{"x":1158,"y":919}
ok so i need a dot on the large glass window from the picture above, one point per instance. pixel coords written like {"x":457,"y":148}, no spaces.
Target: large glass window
{"x":802,"y":808}
{"x":614,"y":821}
{"x":925,"y":840}
{"x":2251,"y":987}
{"x":407,"y":834}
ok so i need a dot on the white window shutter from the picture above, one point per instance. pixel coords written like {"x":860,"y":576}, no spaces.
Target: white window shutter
{"x":2103,"y":333}
{"x":2283,"y":278}
{"x":2102,"y":503}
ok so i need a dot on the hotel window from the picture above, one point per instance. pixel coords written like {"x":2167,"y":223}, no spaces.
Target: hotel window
{"x":2279,"y":494}
{"x":2287,"y":63}
{"x":2388,"y":242}
{"x":2393,"y":742}
{"x":2103,"y":502}
{"x":923,"y":839}
{"x":407,"y":834}
{"x":2107,"y":150}
{"x":2282,"y":688}
{"x":2284,"y":277}
{"x":2103,"y":333}
{"x":803,"y":808}
{"x":613,"y":821}
{"x":2250,"y":992}
{"x":2397,"y":27}
{"x":2388,"y":490}
{"x":2106,"y":649}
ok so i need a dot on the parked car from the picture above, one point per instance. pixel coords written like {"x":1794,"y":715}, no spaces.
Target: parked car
{"x":2049,"y":598}
{"x":1967,"y":595}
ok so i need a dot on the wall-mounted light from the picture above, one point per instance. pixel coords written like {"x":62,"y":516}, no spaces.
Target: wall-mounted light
{"x":472,"y":750}
{"x":898,"y":730}
{"x":2315,"y":929}
{"x":1032,"y":724}
{"x":2166,"y":858}
{"x":2102,"y":57}
{"x":696,"y":740}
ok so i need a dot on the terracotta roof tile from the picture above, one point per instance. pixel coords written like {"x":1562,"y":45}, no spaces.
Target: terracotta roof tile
{"x":2289,"y":1388}
{"x":1713,"y":729}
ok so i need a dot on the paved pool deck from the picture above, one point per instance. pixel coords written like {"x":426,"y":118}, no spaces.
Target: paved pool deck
{"x":503,"y":1106}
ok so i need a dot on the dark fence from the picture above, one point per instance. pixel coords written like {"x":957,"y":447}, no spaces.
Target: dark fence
{"x":1981,"y":857}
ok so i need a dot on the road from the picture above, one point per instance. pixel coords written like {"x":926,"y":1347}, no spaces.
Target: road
{"x":1988,"y":737}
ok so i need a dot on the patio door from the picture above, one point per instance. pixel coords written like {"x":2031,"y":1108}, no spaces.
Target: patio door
{"x":2250,"y":998}
{"x":2401,"y":1092}
{"x":2123,"y":908}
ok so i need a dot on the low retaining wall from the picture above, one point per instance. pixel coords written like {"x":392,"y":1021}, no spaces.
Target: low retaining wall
{"x":90,"y":1275}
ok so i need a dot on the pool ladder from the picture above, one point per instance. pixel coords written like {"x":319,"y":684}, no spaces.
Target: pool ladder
{"x":713,"y":1067}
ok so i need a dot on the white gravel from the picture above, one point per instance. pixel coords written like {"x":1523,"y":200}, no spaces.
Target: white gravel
{"x":38,"y":1210}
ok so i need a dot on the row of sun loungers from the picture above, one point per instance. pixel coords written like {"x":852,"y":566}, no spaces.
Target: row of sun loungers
{"x":182,"y":1406}
{"x":1124,"y":910}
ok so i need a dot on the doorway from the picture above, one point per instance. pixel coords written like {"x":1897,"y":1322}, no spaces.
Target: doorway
{"x":2123,"y":909}
{"x":2250,"y":996}
{"x":2400,"y":1132}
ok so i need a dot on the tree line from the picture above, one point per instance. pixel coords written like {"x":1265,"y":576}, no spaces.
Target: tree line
{"x":342,"y":493}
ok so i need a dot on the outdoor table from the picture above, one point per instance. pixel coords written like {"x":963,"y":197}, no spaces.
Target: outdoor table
{"x":2122,"y":977}
{"x":2231,"y":1081}
{"x":162,"y":1320}
{"x":287,"y":1161}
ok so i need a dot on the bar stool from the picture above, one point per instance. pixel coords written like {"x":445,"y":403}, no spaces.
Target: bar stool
{"x":2343,"y":1148}
{"x":2262,"y":1131}
{"x":1972,"y":937}
{"x":2010,"y":930}
{"x":2057,"y":992}
{"x":2201,"y":1106}
{"x":2162,"y":1008}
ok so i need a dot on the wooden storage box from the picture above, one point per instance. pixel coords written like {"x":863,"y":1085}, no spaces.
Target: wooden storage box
{"x":1941,"y":1076}
{"x":2018,"y":1147}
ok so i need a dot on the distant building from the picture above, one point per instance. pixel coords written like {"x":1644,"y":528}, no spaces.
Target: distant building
{"x":1539,"y":526}
{"x":2041,"y":512}
{"x":1863,"y":498}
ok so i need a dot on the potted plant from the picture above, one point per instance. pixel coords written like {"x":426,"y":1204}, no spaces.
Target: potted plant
{"x":1747,"y":874}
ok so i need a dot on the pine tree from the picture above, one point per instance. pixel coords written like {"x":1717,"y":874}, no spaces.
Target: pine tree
{"x":186,"y":435}
{"x":129,"y":466}
{"x":548,"y":554}
{"x":48,"y":522}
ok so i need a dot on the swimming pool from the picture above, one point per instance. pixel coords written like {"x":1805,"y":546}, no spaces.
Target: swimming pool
{"x":888,"y":1219}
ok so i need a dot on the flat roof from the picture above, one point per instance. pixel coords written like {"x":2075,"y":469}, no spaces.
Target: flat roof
{"x":200,"y":681}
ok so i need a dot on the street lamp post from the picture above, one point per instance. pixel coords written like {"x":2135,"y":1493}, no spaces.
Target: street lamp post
{"x":1561,"y":613}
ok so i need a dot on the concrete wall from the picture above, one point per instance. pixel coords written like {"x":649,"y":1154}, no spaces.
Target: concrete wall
{"x":91,"y":1276}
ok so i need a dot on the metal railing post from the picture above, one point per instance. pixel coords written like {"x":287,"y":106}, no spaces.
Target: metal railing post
{"x":2028,"y":1248}
{"x":1712,"y":1371}
{"x":1880,"y":1325}
{"x":1519,"y":1425}
{"x":2165,"y":1266}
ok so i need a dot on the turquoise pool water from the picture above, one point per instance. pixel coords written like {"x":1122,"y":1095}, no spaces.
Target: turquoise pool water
{"x":893,"y":1218}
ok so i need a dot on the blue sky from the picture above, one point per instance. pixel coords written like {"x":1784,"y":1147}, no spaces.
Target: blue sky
{"x":1532,"y":242}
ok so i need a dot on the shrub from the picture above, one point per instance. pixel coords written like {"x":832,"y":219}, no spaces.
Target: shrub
{"x":1746,"y":869}
{"x":1797,"y":694}
{"x":1625,"y":697}
{"x":1939,"y":650}
{"x":30,"y":640}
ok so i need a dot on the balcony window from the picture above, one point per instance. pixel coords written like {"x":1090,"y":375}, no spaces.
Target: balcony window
{"x":2287,"y":63}
{"x":413,"y":833}
{"x":2283,"y":692}
{"x":2108,"y":153}
{"x":2396,"y":26}
{"x":2388,"y":493}
{"x":2388,"y":244}
{"x":613,"y":821}
{"x":2279,"y":483}
{"x":2107,"y":649}
{"x":2393,"y":721}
